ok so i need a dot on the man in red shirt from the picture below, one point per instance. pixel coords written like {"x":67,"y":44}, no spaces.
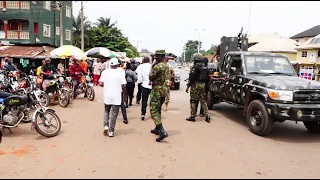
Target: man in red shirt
{"x":75,"y":73}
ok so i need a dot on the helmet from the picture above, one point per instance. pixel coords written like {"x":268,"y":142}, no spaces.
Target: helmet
{"x":197,"y":57}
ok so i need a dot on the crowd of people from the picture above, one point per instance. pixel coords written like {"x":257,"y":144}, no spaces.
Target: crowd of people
{"x":119,"y":81}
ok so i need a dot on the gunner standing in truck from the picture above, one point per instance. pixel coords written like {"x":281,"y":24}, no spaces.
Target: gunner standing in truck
{"x":198,"y":77}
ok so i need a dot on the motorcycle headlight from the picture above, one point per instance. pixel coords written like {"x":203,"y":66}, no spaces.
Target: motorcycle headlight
{"x":61,"y":79}
{"x":88,"y":79}
{"x":281,"y":95}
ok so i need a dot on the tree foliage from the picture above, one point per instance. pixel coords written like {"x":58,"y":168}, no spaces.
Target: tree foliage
{"x":191,"y":47}
{"x":103,"y":33}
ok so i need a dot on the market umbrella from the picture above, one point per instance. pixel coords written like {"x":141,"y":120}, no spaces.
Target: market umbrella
{"x":68,"y":51}
{"x":117,"y":54}
{"x":99,"y":51}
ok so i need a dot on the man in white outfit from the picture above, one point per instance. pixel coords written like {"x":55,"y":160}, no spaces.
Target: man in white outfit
{"x":113,"y":82}
{"x":143,"y":72}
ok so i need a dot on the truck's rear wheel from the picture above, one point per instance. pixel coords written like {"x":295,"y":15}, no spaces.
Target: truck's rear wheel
{"x":210,"y":100}
{"x":258,"y":119}
{"x":312,"y":126}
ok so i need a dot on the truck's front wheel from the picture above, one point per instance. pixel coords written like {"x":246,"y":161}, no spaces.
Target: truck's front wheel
{"x":312,"y":126}
{"x":258,"y":119}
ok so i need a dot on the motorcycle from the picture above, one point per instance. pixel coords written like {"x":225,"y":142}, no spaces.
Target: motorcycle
{"x":13,"y":111}
{"x":56,"y":88}
{"x":85,"y":87}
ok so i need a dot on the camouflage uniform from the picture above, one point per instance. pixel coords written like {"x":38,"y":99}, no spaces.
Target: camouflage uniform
{"x":197,"y":93}
{"x":160,"y":77}
{"x":171,"y":72}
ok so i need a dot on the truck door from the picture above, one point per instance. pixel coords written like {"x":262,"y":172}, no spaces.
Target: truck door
{"x":235,"y":71}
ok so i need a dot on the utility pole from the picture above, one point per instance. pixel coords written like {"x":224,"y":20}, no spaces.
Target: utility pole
{"x":249,"y":19}
{"x":199,"y":39}
{"x":184,"y":52}
{"x":82,"y":31}
{"x":61,"y":23}
{"x":138,"y":41}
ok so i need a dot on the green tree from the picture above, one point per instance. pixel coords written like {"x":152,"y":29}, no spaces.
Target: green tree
{"x":104,"y":22}
{"x":191,"y":47}
{"x":77,"y":32}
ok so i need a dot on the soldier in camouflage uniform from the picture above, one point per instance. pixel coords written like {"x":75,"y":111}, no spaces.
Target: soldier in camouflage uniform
{"x":199,"y":75}
{"x":159,"y":77}
{"x":171,"y":72}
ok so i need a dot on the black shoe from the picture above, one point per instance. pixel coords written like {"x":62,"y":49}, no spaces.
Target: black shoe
{"x":138,"y":102}
{"x":125,"y":121}
{"x":142,"y":117}
{"x":193,"y":119}
{"x":130,"y":104}
{"x":208,"y":119}
{"x":163,"y":133}
{"x":155,"y":131}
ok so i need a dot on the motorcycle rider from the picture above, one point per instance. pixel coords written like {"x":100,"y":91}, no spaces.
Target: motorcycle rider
{"x":9,"y":66}
{"x":47,"y":71}
{"x":199,"y":75}
{"x":75,"y":73}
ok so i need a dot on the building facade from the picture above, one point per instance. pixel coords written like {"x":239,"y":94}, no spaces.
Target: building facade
{"x":307,"y":34}
{"x":32,"y":22}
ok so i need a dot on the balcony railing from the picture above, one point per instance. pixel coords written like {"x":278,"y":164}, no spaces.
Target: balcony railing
{"x":1,"y":4}
{"x":18,"y":35}
{"x":12,"y":34}
{"x":24,"y":35}
{"x":12,"y":4}
{"x":25,"y":4}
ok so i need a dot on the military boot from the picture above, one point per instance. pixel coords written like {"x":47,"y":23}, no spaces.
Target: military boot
{"x":155,"y":131}
{"x":193,"y":119}
{"x":208,"y":119}
{"x":163,"y":133}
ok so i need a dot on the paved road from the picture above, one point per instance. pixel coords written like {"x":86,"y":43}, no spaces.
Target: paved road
{"x":224,"y":148}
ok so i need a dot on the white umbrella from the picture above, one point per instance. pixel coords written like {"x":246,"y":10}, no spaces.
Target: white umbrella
{"x":99,"y":51}
{"x":117,"y":54}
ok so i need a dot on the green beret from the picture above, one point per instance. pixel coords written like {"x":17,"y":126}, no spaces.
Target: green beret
{"x":160,"y":52}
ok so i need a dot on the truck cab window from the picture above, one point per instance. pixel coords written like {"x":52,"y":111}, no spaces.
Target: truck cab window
{"x":236,"y":66}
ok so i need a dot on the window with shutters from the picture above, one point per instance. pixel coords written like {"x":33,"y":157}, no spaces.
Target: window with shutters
{"x":46,"y":30}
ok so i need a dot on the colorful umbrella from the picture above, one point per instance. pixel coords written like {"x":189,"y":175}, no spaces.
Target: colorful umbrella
{"x":99,"y":51}
{"x":68,"y":51}
{"x":117,"y":54}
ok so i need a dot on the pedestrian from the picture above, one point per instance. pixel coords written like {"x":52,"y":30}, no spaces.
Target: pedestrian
{"x":198,"y":77}
{"x":61,"y":67}
{"x":123,"y":104}
{"x":114,"y":85}
{"x":105,"y":64}
{"x":143,"y":80}
{"x":137,"y":70}
{"x":90,"y":67}
{"x":4,"y":62}
{"x":159,"y":77}
{"x":205,"y":61}
{"x":131,"y":77}
{"x":10,"y":66}
{"x":75,"y":73}
{"x":96,"y":71}
{"x":84,"y":65}
{"x":171,"y":71}
{"x":39,"y":75}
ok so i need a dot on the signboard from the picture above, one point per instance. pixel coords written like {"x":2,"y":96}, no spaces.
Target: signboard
{"x":2,"y":35}
{"x":313,"y":57}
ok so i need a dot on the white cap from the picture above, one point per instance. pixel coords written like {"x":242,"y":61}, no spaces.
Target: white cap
{"x":113,"y":62}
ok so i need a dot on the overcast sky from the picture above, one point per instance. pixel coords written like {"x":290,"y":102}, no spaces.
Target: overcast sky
{"x":165,"y":24}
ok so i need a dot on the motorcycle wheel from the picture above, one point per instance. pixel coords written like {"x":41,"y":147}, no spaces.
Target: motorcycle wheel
{"x":44,"y":99}
{"x":90,"y":93}
{"x":64,"y":102}
{"x":43,"y":133}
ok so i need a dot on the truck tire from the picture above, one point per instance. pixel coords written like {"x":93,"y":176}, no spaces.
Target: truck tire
{"x":258,"y":119}
{"x":312,"y":126}
{"x":177,"y":86}
{"x":210,"y":100}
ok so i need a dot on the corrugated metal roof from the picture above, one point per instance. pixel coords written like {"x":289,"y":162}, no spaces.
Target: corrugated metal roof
{"x":45,"y":53}
{"x":276,"y":45}
{"x":21,"y":51}
{"x":307,"y":45}
{"x":263,"y":36}
{"x":308,"y":33}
